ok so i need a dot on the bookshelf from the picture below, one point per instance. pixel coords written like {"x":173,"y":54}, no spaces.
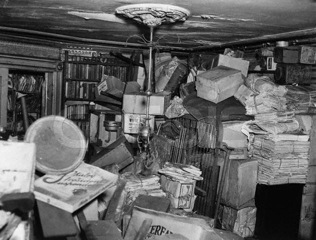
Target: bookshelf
{"x":27,"y":85}
{"x":82,"y":74}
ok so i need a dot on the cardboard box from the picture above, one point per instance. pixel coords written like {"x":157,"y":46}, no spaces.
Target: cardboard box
{"x":119,"y":152}
{"x":218,"y":83}
{"x":239,"y":153}
{"x":286,"y":55}
{"x":111,"y":85}
{"x":231,"y":62}
{"x":137,"y":102}
{"x":295,"y":54}
{"x":133,"y":122}
{"x":241,"y":222}
{"x":176,"y":188}
{"x":165,"y":223}
{"x":293,"y":73}
{"x":231,"y":134}
{"x":240,"y":184}
{"x":307,"y":55}
{"x":185,"y":203}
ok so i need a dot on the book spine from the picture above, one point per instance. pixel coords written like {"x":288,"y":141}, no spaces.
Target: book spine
{"x":54,"y":202}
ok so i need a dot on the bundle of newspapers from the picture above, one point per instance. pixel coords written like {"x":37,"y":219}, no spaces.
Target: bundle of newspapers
{"x":139,"y":184}
{"x":260,"y":94}
{"x":281,"y":150}
{"x":181,"y":172}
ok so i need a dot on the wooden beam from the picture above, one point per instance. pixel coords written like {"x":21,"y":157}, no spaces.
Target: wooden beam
{"x":287,"y":36}
{"x":29,"y":50}
{"x":3,"y":96}
{"x":17,"y":62}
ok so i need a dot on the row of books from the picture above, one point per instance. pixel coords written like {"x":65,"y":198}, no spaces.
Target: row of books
{"x":78,"y":112}
{"x":85,"y":128}
{"x":77,"y":89}
{"x":106,"y":60}
{"x":83,"y":71}
{"x":27,"y":83}
{"x":92,"y":72}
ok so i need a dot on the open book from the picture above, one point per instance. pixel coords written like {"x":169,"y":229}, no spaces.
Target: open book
{"x":74,"y":189}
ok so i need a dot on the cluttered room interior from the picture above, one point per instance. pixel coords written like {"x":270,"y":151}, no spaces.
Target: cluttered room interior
{"x":177,"y":120}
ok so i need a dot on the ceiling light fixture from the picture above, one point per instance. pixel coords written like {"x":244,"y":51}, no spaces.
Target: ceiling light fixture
{"x":151,"y":15}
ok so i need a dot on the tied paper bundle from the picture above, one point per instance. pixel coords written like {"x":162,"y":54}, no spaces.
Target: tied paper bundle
{"x":280,"y":148}
{"x":270,"y":127}
{"x":181,"y":172}
{"x":261,"y":95}
{"x":138,"y":184}
{"x":299,"y":98}
{"x":282,"y":158}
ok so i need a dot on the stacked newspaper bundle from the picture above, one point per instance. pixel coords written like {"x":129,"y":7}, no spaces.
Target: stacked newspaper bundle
{"x":181,"y":172}
{"x":178,"y":181}
{"x":299,"y":98}
{"x":281,"y":159}
{"x":282,"y":152}
{"x":261,"y":95}
{"x":138,"y":184}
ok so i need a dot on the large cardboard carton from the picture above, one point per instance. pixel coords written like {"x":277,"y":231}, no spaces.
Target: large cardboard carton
{"x":137,"y":103}
{"x":231,"y":134}
{"x":132,"y":123}
{"x":218,"y":83}
{"x":166,"y":223}
{"x":241,"y":222}
{"x":232,"y":62}
{"x":240,"y":185}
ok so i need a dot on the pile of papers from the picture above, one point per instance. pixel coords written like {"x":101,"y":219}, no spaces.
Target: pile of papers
{"x":181,"y":172}
{"x":299,"y":98}
{"x":275,"y":136}
{"x":138,"y":184}
{"x":260,"y":95}
{"x":282,"y":158}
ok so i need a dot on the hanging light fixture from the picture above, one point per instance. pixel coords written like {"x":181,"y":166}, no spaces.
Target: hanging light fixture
{"x":151,"y":15}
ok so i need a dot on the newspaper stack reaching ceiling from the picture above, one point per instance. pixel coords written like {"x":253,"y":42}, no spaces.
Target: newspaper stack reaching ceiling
{"x":275,"y":136}
{"x":138,"y":184}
